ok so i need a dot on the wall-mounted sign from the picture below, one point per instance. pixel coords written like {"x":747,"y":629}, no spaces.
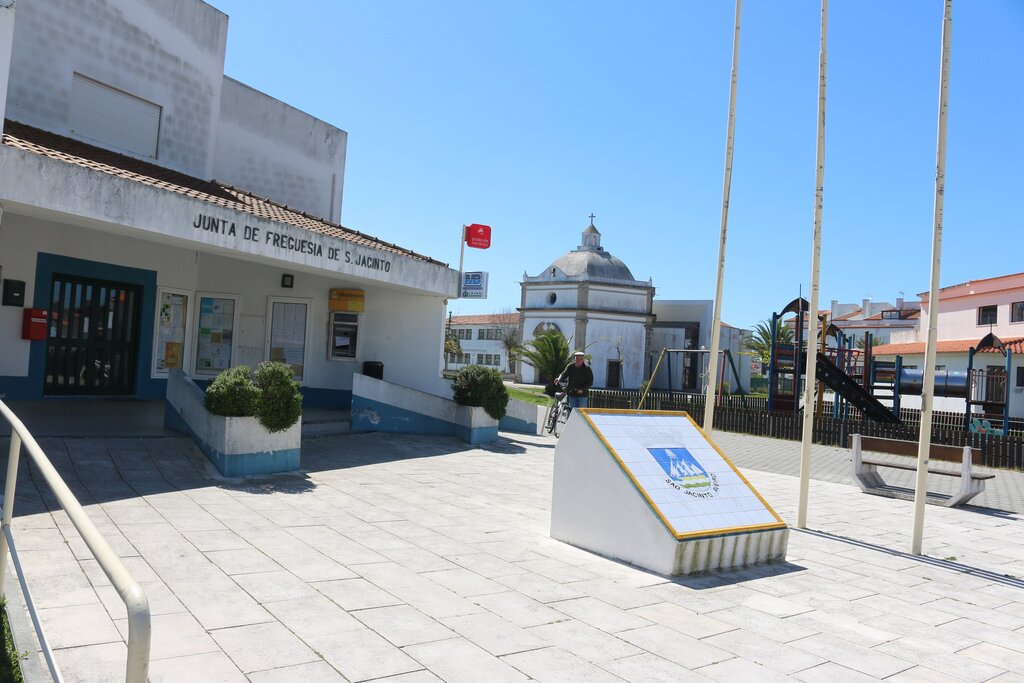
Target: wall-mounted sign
{"x":269,"y":242}
{"x":478,"y":236}
{"x":348,"y":300}
{"x":474,"y":285}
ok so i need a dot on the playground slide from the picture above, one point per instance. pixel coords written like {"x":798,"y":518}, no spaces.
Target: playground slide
{"x":847,"y":387}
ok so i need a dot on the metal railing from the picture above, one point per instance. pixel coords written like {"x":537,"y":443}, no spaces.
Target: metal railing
{"x":139,"y":627}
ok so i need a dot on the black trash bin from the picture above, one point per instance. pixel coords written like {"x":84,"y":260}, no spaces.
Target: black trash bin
{"x":373,"y":368}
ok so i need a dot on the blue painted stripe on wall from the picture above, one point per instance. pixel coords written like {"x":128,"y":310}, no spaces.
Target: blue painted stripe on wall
{"x":374,"y":416}
{"x":236,"y":464}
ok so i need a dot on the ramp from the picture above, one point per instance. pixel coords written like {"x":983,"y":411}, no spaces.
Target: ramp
{"x":847,"y":387}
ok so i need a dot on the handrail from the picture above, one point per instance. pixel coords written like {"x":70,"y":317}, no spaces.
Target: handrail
{"x":139,"y":626}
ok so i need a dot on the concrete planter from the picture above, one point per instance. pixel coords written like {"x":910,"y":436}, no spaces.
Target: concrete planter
{"x":238,"y":446}
{"x":523,"y":417}
{"x":379,"y":406}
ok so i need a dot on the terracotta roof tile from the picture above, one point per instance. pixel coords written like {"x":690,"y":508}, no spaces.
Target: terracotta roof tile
{"x":44,"y":143}
{"x":489,"y":319}
{"x":1014,"y":344}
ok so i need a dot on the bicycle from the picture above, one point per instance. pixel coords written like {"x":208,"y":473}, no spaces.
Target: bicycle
{"x":558,"y":413}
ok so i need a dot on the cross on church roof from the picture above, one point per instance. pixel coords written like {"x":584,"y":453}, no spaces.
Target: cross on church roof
{"x":591,"y":218}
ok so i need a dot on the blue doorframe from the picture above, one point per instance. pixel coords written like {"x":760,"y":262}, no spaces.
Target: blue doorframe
{"x":46,"y":266}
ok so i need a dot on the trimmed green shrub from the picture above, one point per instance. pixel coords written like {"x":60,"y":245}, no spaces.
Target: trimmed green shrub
{"x":280,"y":403}
{"x":476,"y":385}
{"x":232,"y":393}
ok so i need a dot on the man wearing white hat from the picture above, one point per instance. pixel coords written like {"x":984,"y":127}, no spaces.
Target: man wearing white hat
{"x":579,"y":378}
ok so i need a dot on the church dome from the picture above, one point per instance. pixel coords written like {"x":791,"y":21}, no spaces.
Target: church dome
{"x":592,"y":264}
{"x":589,"y":261}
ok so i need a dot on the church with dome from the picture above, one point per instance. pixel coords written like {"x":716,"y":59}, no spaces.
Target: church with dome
{"x":592,"y":298}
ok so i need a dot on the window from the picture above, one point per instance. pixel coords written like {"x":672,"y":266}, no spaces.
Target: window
{"x":480,"y":333}
{"x":172,"y":327}
{"x":987,"y":315}
{"x":891,"y":315}
{"x":552,"y":298}
{"x":479,"y":359}
{"x":286,"y":333}
{"x":215,"y":333}
{"x":344,"y":335}
{"x":1017,"y":312}
{"x":1020,"y":376}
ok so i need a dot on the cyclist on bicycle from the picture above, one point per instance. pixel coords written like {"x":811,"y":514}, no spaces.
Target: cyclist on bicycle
{"x":579,"y":378}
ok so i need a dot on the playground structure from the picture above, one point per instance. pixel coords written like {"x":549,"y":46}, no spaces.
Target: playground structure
{"x":701,"y":360}
{"x":860,"y":381}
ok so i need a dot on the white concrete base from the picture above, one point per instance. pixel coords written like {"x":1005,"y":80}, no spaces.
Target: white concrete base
{"x":596,"y":506}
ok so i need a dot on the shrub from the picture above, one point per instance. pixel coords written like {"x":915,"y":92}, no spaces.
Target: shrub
{"x":280,"y":403}
{"x":232,"y":393}
{"x":475,"y":385}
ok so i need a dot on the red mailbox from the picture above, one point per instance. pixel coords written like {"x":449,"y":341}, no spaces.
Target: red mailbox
{"x":33,"y":324}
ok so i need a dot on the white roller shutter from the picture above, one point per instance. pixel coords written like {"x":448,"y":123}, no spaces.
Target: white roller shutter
{"x":113,"y":117}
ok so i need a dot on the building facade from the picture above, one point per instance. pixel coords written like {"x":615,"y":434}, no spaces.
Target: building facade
{"x":482,"y":340}
{"x":157,"y":214}
{"x":592,"y":298}
{"x":967,"y":313}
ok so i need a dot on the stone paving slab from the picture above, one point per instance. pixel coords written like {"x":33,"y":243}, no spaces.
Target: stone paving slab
{"x":413,"y":559}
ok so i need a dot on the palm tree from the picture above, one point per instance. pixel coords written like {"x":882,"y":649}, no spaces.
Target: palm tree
{"x":548,"y":353}
{"x":761,"y":341}
{"x":451,"y":345}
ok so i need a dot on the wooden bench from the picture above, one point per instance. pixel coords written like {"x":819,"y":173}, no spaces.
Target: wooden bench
{"x":865,"y":469}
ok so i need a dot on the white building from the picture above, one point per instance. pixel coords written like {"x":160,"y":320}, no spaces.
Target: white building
{"x":880,"y":319}
{"x":967,"y":313}
{"x":157,"y":214}
{"x":481,"y":338}
{"x":685,"y":327}
{"x":593,"y":299}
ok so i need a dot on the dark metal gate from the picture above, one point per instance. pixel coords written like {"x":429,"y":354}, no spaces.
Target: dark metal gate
{"x":93,"y":342}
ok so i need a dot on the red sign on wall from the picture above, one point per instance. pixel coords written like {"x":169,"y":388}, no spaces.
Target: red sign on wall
{"x":478,"y":236}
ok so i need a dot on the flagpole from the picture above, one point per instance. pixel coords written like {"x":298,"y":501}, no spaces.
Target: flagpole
{"x":928,"y":381}
{"x":462,"y":254}
{"x":811,"y":348}
{"x":716,"y":322}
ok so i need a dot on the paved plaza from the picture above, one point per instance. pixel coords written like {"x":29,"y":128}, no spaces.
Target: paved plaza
{"x":411,"y":559}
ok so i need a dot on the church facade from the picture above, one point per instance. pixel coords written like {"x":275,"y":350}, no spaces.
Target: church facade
{"x":592,"y":298}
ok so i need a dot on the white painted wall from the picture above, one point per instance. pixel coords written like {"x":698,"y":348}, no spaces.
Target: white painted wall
{"x":602,"y":336}
{"x":537,"y":296}
{"x":403,"y":331}
{"x":169,"y":52}
{"x":274,"y":150}
{"x":617,"y":299}
{"x":6,"y":45}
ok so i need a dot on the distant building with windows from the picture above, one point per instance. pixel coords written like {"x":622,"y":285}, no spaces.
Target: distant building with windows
{"x":969,"y":312}
{"x":481,"y":338}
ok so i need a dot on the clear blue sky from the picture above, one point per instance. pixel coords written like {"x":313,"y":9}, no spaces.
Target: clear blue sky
{"x":528,"y":116}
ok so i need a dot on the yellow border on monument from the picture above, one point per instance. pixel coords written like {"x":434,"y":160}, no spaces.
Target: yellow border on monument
{"x":586,"y":412}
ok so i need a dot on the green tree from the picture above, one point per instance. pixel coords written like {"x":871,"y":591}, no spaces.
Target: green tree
{"x":451,"y":345}
{"x":875,"y":341}
{"x":508,"y":328}
{"x":761,"y":341}
{"x":548,"y":353}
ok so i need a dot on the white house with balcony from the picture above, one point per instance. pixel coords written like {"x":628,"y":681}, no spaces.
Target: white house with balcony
{"x":968,"y":312}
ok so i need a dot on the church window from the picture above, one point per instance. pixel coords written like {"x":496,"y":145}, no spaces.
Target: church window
{"x":552,"y":298}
